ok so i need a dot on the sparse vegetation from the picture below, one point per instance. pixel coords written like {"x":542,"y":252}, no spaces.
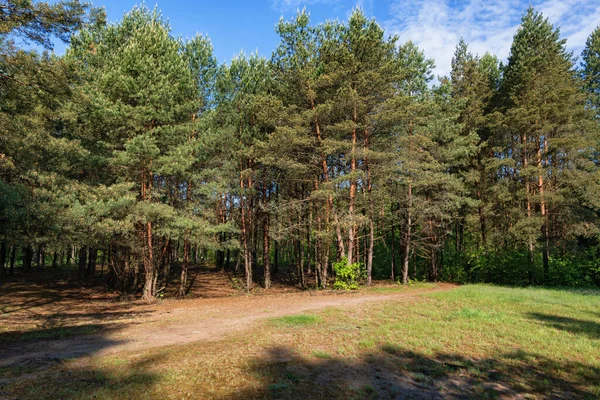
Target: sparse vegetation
{"x":473,"y":341}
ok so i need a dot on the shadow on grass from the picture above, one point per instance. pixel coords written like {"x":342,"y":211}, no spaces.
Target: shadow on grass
{"x":392,"y":372}
{"x":387,"y":372}
{"x":573,"y":325}
{"x":123,"y":379}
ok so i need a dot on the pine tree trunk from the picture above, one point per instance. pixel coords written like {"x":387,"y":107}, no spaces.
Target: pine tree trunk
{"x":300,"y":262}
{"x":27,"y":258}
{"x":543,"y":210}
{"x":184,"y":268}
{"x":91,"y":267}
{"x":247,"y":254}
{"x":266,"y":252}
{"x":3,"y":250}
{"x":38,"y":258}
{"x":393,"y":271}
{"x":353,"y":184}
{"x":13,"y":256}
{"x":527,"y":194}
{"x":371,"y":243}
{"x":82,"y":261}
{"x":408,"y":236}
{"x":148,"y":293}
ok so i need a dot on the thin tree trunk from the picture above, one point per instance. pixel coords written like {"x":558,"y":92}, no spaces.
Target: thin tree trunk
{"x":13,"y":256}
{"x":351,"y":229}
{"x":247,"y":254}
{"x":371,"y":243}
{"x":527,"y":195}
{"x":408,"y":235}
{"x":38,"y":257}
{"x":393,"y":271}
{"x":149,"y":290}
{"x":91,"y":267}
{"x":3,"y":250}
{"x":184,"y":267}
{"x":544,"y":212}
{"x":82,"y":261}
{"x":266,"y":252}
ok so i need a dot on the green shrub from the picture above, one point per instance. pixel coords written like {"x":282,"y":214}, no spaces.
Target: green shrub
{"x":347,"y":276}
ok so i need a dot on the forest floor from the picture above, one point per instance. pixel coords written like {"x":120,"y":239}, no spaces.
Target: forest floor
{"x":424,"y":341}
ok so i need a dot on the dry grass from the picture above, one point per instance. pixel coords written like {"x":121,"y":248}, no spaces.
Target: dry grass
{"x":475,"y":342}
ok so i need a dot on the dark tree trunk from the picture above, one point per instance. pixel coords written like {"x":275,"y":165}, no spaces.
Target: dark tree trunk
{"x":82,"y":261}
{"x":184,"y":268}
{"x":393,"y":271}
{"x":3,"y":250}
{"x":91,"y":267}
{"x":27,"y":258}
{"x":39,"y":257}
{"x":54,"y":259}
{"x":13,"y":256}
{"x":266,"y":252}
{"x":102,"y":263}
{"x":276,"y":258}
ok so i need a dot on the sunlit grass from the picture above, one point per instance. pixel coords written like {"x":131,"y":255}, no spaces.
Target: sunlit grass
{"x":472,"y":342}
{"x":296,"y":320}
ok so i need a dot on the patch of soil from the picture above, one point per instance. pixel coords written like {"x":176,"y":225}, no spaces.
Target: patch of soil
{"x":40,"y":323}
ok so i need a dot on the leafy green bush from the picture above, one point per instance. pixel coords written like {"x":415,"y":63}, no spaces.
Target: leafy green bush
{"x":347,"y":276}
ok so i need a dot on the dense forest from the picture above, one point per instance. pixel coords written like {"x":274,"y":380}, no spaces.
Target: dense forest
{"x":339,"y":160}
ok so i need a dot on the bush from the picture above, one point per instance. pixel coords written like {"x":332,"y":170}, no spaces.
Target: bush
{"x":347,"y":275}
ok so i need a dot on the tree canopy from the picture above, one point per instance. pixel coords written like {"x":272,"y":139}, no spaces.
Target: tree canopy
{"x":139,"y":151}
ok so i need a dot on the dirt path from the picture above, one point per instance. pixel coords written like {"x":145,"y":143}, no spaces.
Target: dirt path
{"x":178,"y":322}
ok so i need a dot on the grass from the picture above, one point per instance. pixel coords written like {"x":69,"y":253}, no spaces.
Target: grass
{"x":296,"y":320}
{"x":400,"y":288}
{"x":473,"y":342}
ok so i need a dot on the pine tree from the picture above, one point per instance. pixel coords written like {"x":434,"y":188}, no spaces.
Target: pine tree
{"x":590,"y":63}
{"x":541,"y":101}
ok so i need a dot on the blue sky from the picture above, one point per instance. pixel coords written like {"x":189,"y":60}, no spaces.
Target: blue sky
{"x":434,"y":25}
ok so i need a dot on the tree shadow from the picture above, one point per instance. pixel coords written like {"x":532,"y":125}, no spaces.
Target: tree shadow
{"x":573,"y":325}
{"x":42,"y":347}
{"x":390,"y":372}
{"x":119,"y":378}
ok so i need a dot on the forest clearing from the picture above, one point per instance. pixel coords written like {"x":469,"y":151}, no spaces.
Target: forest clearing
{"x":423,"y":341}
{"x":338,"y":218}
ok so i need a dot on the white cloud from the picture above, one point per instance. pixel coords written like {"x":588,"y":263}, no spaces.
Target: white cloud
{"x":486,"y":25}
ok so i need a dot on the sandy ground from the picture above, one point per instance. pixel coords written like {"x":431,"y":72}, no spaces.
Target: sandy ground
{"x":44,"y":313}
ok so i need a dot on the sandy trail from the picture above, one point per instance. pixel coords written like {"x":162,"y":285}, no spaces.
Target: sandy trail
{"x":141,"y":327}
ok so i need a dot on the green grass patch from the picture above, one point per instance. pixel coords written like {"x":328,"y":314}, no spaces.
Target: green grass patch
{"x":321,"y":354}
{"x":296,"y":320}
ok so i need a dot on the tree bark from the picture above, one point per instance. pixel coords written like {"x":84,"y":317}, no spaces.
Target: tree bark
{"x":407,"y":237}
{"x":527,"y":194}
{"x":351,"y":229}
{"x":82,"y":261}
{"x":3,"y":250}
{"x":184,"y":267}
{"x":13,"y":256}
{"x":91,"y":267}
{"x":266,"y":252}
{"x":392,"y":249}
{"x":544,"y":213}
{"x":247,"y":253}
